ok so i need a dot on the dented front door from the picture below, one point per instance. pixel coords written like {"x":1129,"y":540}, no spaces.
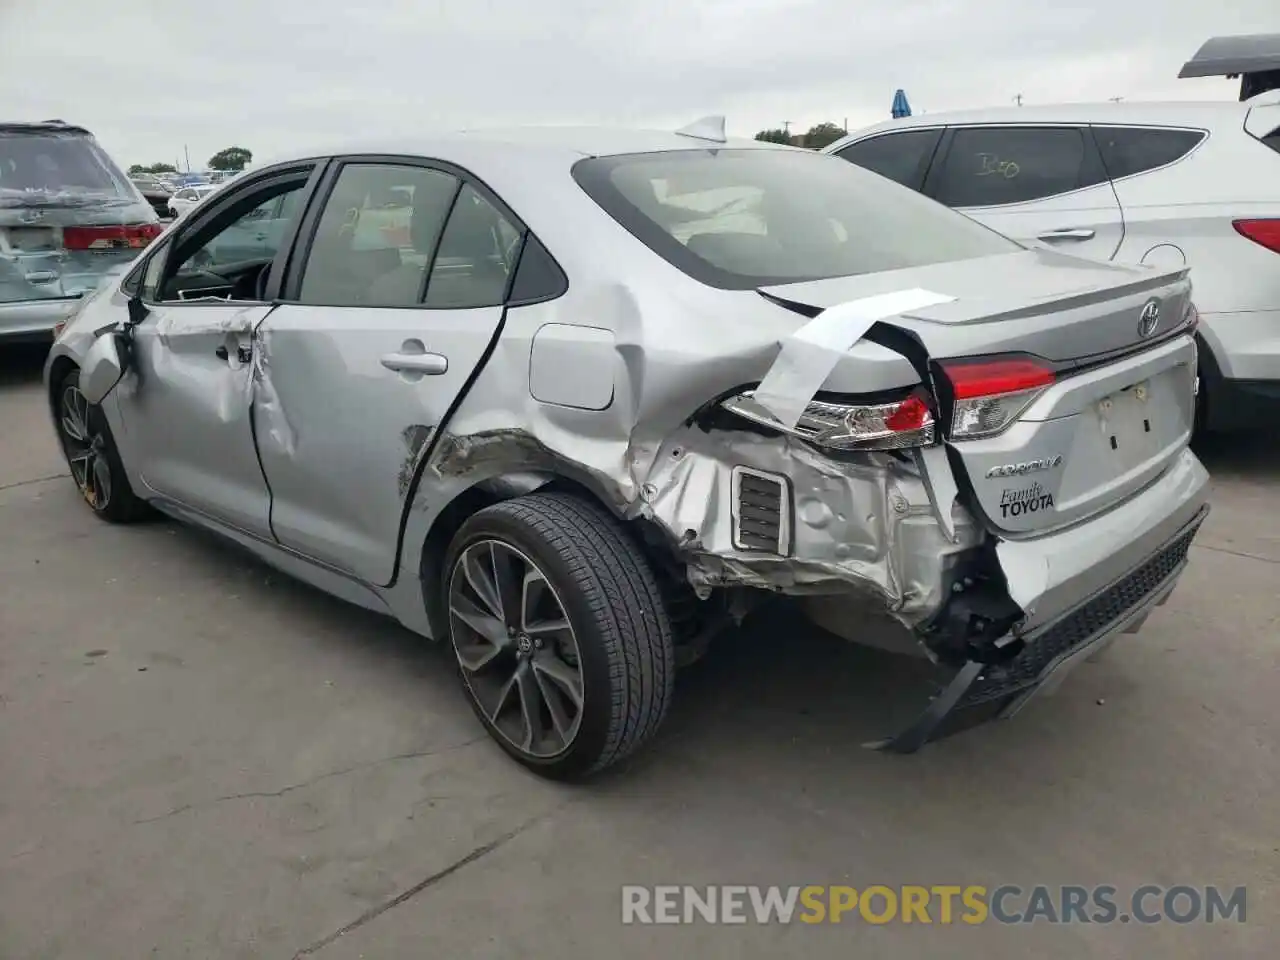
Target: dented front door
{"x":187,"y":412}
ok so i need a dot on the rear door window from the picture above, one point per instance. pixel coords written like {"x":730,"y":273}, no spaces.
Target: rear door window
{"x":902,"y":156}
{"x":1130,"y":150}
{"x":995,"y":166}
{"x":376,"y":237}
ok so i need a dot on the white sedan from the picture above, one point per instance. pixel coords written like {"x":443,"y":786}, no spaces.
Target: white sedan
{"x":187,"y":197}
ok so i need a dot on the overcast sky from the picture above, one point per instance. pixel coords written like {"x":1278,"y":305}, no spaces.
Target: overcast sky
{"x":150,"y":76}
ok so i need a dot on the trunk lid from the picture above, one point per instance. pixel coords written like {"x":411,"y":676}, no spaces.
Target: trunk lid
{"x":1121,"y":402}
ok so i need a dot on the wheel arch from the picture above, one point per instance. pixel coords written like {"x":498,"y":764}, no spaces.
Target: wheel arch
{"x":59,"y":368}
{"x":476,"y":497}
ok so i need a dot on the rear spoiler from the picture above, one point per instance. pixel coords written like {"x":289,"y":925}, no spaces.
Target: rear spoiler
{"x":1255,"y":59}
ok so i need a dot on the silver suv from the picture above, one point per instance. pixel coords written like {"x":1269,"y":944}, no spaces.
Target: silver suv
{"x":1154,"y":183}
{"x":68,"y":218}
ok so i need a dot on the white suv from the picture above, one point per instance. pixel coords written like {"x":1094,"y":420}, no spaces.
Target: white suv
{"x":1157,"y":183}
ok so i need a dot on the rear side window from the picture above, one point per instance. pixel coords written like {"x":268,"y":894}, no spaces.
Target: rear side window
{"x":903,"y":157}
{"x":743,"y":218}
{"x":397,"y":235}
{"x":1272,"y":139}
{"x":58,"y":164}
{"x":376,"y":236}
{"x":1130,"y":150}
{"x":992,"y":166}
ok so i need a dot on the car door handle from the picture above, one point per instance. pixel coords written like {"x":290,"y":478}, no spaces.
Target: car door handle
{"x":1069,"y":233}
{"x":428,"y":364}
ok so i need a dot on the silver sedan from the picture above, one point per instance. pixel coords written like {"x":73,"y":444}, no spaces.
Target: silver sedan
{"x":573,"y":400}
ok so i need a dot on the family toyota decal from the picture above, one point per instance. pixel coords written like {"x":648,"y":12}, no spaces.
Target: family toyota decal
{"x":933,"y":904}
{"x":1014,"y":503}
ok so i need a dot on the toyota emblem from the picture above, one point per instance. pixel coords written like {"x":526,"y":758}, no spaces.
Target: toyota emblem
{"x":1149,"y":318}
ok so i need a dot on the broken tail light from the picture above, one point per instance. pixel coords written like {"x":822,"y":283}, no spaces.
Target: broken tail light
{"x":1266,"y":233}
{"x":990,"y":395}
{"x":126,"y":237}
{"x":895,"y":425}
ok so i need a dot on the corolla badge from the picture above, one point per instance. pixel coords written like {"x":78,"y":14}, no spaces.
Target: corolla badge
{"x":1149,"y":318}
{"x":1022,"y":469}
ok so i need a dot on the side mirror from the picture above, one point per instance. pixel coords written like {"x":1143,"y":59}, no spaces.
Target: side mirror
{"x":102,"y":368}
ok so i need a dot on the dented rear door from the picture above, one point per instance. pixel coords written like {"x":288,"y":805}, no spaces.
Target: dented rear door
{"x":385,"y":332}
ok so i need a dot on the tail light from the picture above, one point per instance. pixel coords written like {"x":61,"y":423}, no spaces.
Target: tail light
{"x":126,"y":237}
{"x":1263,"y":232}
{"x":894,"y":425}
{"x":990,"y":395}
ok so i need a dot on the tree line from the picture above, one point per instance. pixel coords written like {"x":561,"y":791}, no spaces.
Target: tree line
{"x":231,"y":159}
{"x":815,"y":138}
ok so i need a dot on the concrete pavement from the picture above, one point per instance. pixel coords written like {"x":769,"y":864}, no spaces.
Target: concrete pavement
{"x":200,"y":758}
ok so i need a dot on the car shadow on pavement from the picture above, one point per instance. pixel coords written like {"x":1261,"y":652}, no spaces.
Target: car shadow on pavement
{"x":1246,"y":455}
{"x":21,"y":363}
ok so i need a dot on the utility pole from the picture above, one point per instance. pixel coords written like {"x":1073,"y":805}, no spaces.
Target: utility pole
{"x":187,"y":153}
{"x":786,"y":127}
{"x":1018,"y":99}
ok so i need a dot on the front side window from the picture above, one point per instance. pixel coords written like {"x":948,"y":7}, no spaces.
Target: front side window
{"x":256,"y":235}
{"x":743,"y":218}
{"x":903,"y":157}
{"x":228,"y":254}
{"x":1130,"y":150}
{"x":992,"y":166}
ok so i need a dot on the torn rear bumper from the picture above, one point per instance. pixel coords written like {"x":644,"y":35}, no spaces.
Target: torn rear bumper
{"x":1077,"y":601}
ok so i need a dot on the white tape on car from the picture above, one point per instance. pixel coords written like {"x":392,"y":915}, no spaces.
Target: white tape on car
{"x":810,"y":354}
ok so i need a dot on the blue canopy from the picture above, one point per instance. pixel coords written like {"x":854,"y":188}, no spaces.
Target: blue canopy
{"x":900,"y":107}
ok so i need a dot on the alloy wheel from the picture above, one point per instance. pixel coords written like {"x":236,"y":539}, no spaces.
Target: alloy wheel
{"x":85,"y":447}
{"x":516,"y":647}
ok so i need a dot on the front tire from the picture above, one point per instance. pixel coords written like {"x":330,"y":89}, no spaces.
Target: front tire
{"x":92,"y":456}
{"x":562,"y":639}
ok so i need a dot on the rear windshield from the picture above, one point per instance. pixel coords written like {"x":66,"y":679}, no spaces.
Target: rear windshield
{"x":743,"y":218}
{"x":55,"y":167}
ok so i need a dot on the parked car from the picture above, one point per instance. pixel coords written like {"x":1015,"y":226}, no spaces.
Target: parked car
{"x":1159,"y":183}
{"x":68,"y":217}
{"x":553,"y":425}
{"x":184,"y":198}
{"x":156,"y":193}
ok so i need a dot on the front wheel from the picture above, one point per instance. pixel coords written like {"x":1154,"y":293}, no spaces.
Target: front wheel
{"x":562,"y":639}
{"x":92,"y":456}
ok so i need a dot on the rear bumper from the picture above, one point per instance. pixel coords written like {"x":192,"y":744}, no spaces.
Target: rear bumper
{"x":1052,"y":575}
{"x":1080,"y":589}
{"x":34,"y":319}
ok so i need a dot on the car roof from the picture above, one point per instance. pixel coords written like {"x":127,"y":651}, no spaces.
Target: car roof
{"x":1190,"y":113}
{"x":569,"y":143}
{"x":42,"y":126}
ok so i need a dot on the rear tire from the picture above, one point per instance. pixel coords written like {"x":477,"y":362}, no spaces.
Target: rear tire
{"x":569,"y":693}
{"x":92,"y":456}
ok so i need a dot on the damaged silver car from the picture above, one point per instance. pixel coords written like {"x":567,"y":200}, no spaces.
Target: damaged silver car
{"x":68,"y":219}
{"x":572,"y":400}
